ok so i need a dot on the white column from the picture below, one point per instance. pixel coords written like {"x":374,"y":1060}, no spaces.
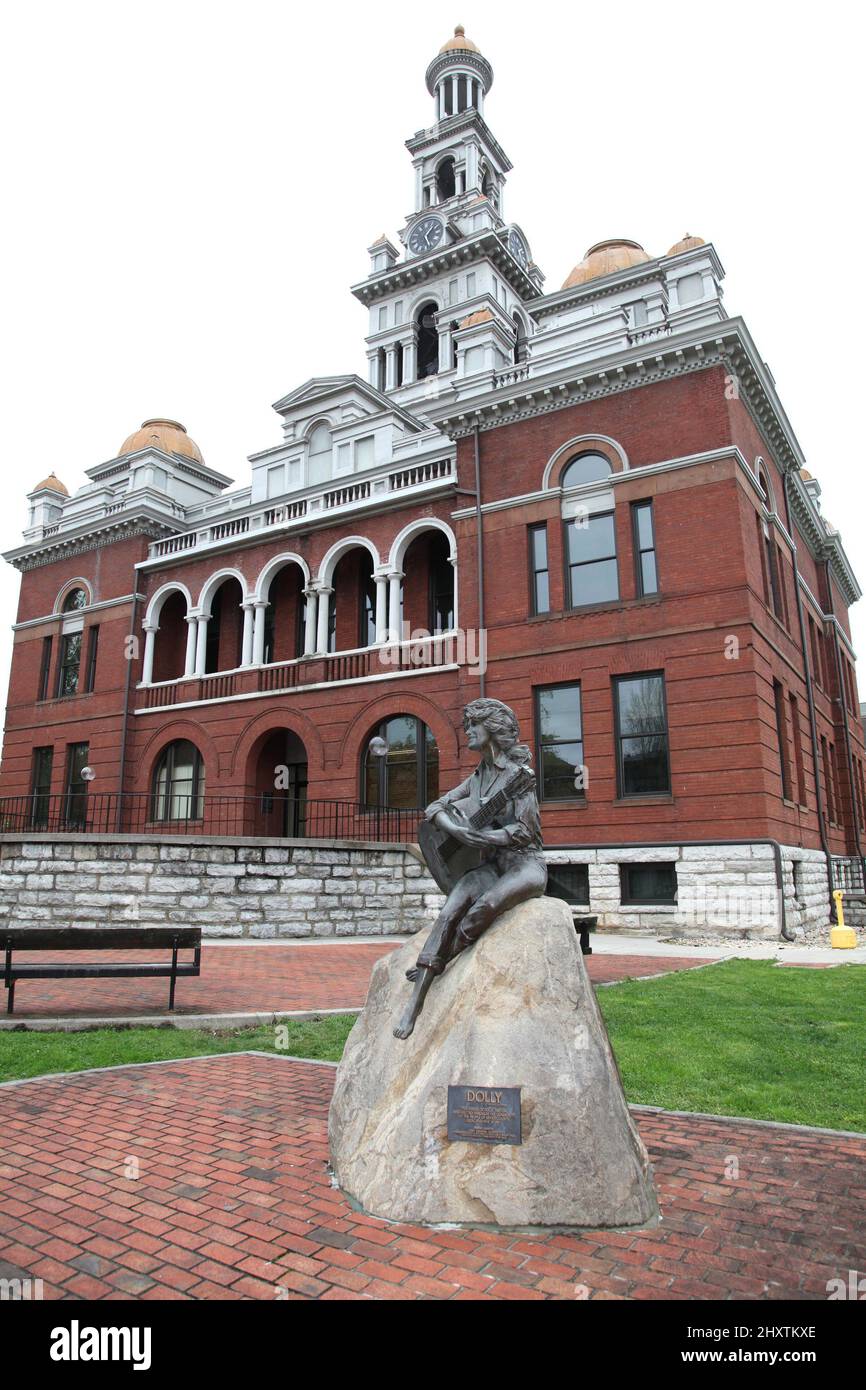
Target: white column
{"x":381,"y":608}
{"x":440,"y":101}
{"x":454,"y":96}
{"x":310,"y":621}
{"x":409,"y":368}
{"x":150,"y":631}
{"x":445,"y":347}
{"x":259,"y":633}
{"x":247,"y":647}
{"x":390,"y":367}
{"x":189,"y":660}
{"x":324,"y":607}
{"x":452,"y":560}
{"x":201,"y":645}
{"x":395,"y":606}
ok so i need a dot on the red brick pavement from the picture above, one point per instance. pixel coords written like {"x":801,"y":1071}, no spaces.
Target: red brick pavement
{"x":250,"y":979}
{"x":233,"y":1201}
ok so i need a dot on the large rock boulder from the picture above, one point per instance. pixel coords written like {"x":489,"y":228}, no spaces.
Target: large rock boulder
{"x":517,"y":1009}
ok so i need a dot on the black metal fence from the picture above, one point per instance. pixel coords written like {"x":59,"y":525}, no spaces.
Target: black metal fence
{"x":271,"y":815}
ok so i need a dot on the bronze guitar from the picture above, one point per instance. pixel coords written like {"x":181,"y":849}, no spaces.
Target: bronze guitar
{"x":447,"y":858}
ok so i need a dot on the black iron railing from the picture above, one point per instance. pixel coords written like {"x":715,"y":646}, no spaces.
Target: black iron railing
{"x":270,"y":814}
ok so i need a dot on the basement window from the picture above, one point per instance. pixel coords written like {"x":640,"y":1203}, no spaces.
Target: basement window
{"x":648,"y":884}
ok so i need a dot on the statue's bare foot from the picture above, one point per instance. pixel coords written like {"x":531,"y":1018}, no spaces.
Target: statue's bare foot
{"x":405,"y":1026}
{"x":413,"y":973}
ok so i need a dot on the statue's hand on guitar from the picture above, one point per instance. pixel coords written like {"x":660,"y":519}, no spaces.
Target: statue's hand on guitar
{"x":454,"y":825}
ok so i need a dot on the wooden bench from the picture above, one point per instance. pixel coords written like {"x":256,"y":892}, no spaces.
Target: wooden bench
{"x":171,"y":939}
{"x":583,"y":926}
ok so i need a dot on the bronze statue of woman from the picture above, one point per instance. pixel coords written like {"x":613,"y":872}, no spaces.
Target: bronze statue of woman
{"x":495,"y":814}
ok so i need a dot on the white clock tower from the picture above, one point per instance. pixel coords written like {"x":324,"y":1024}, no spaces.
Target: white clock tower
{"x":452,"y":305}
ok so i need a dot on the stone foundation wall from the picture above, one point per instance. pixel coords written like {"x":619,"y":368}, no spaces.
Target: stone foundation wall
{"x":722,"y":890}
{"x":252,"y":888}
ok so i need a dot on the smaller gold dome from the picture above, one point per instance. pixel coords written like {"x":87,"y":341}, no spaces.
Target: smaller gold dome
{"x":167,"y":435}
{"x":459,"y":42}
{"x":688,"y":243}
{"x":54,"y":483}
{"x":605,"y":258}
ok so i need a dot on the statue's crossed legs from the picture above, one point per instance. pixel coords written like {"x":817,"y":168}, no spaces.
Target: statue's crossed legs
{"x":473,"y":904}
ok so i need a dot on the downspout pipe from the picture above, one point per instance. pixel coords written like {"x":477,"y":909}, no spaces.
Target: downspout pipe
{"x":810,"y":700}
{"x":125,"y":724}
{"x":849,"y":758}
{"x":479,"y":536}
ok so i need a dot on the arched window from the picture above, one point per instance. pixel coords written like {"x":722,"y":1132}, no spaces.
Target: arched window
{"x":446,"y":183}
{"x":320,"y":452}
{"x":428,"y":341}
{"x":75,"y":599}
{"x":488,"y":185}
{"x":441,"y":585}
{"x":178,"y":783}
{"x":405,"y":773}
{"x":520,"y":350}
{"x":586,"y":468}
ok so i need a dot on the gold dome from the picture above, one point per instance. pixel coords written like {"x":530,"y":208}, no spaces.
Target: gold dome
{"x":54,"y":483}
{"x":605,"y":258}
{"x":688,"y":243}
{"x":460,"y":42}
{"x":167,"y":435}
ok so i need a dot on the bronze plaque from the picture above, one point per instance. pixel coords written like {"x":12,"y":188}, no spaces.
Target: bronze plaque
{"x":484,"y":1115}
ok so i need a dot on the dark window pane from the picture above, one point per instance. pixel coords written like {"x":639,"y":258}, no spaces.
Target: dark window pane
{"x":644,"y":765}
{"x":596,"y":583}
{"x":542,"y":593}
{"x":591,"y":538}
{"x":539,"y":547}
{"x":559,"y":712}
{"x":569,"y":882}
{"x":587,"y":468}
{"x":648,"y":883}
{"x":649,"y":580}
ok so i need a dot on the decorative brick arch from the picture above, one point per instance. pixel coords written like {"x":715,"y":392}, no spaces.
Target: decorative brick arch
{"x":386,"y":707}
{"x":267,"y":723}
{"x":583,"y":444}
{"x":67,"y":589}
{"x":170,"y":733}
{"x":417,"y":528}
{"x":338,"y":550}
{"x":155,"y":606}
{"x":213,"y":582}
{"x":270,"y":571}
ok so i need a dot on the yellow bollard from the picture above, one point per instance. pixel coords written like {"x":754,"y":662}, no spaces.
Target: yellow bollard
{"x":841,"y":937}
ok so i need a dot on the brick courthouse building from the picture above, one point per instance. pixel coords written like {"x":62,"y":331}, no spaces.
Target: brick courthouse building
{"x":591,"y":497}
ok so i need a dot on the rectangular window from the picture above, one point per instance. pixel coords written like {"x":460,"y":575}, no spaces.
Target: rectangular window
{"x":92,"y":645}
{"x":640,"y":317}
{"x":75,"y":809}
{"x":559,"y":747}
{"x":40,"y":786}
{"x":775,"y":595}
{"x":643,"y":763}
{"x":783,"y":587}
{"x":782,"y":738}
{"x":591,"y":551}
{"x":643,"y":533}
{"x":798,"y":750}
{"x":470,"y":285}
{"x":646,"y":884}
{"x":539,"y":575}
{"x":45,"y":668}
{"x":569,"y":883}
{"x":69,"y":663}
{"x":383,"y":317}
{"x":277,"y":480}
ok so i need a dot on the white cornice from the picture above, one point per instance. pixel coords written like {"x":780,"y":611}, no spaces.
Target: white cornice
{"x":123,"y":599}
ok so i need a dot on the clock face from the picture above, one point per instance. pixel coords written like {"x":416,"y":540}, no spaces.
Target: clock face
{"x":518,"y":250}
{"x":426,"y":234}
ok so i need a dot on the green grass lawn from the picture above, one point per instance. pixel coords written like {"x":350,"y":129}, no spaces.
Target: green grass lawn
{"x":740,"y":1038}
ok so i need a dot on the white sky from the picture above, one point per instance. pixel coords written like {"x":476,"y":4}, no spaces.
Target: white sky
{"x":190,"y":187}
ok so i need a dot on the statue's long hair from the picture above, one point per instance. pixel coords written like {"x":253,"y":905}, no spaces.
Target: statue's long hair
{"x":501,"y":724}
